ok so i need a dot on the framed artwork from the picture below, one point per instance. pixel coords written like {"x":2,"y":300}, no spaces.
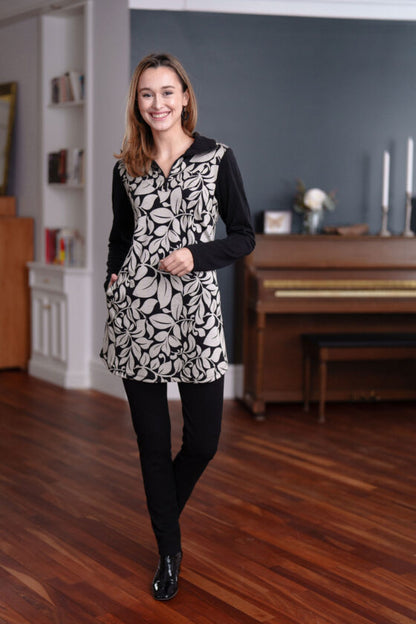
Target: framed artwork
{"x":7,"y":113}
{"x":277,"y":222}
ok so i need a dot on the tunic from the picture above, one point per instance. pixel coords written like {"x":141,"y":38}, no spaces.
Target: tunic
{"x":161,"y":327}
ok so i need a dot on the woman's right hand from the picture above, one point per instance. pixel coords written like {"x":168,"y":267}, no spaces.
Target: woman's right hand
{"x":113,"y":278}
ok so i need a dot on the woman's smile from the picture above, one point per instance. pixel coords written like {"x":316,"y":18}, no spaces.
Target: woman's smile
{"x":160,"y":115}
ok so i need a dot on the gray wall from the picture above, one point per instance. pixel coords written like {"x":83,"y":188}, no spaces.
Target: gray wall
{"x":318,"y":99}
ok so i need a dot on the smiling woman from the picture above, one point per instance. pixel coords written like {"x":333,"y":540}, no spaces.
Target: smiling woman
{"x":170,"y":185}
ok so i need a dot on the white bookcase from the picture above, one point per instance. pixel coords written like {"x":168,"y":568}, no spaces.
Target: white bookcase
{"x":60,"y":294}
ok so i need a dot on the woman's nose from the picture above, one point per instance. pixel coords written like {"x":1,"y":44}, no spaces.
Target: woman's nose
{"x":157,"y":101}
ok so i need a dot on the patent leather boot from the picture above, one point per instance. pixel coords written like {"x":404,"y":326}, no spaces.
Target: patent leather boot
{"x":165,"y":582}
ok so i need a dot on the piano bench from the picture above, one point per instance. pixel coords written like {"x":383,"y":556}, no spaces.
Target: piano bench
{"x":324,"y":348}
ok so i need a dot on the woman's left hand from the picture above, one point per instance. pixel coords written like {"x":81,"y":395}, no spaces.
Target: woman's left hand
{"x":179,"y":262}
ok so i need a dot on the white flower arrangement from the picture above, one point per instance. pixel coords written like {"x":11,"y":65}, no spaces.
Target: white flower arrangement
{"x":313,"y":200}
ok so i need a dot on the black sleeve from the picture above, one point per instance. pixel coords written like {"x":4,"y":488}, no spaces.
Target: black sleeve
{"x":235,"y":212}
{"x":121,"y":234}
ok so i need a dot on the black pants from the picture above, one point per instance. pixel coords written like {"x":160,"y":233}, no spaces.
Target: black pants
{"x":168,"y":483}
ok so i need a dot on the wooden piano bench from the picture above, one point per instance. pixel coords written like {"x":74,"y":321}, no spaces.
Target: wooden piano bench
{"x":324,"y":348}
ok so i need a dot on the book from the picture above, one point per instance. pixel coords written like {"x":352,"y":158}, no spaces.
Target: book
{"x":68,"y":87}
{"x":62,"y":174}
{"x":76,"y":85}
{"x":53,"y":167}
{"x":64,"y":246}
{"x":66,"y":166}
{"x":50,"y":244}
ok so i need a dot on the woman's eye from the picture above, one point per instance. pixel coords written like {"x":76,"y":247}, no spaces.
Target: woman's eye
{"x":167,"y":93}
{"x":146,"y":95}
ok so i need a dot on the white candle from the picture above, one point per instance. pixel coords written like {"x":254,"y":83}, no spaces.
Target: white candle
{"x":386,"y":175}
{"x":409,"y":177}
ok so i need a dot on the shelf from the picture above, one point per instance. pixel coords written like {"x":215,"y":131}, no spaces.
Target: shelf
{"x":59,"y":268}
{"x":70,"y":104}
{"x":67,"y":187}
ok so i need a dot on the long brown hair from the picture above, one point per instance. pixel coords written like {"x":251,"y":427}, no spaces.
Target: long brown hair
{"x":137,"y":148}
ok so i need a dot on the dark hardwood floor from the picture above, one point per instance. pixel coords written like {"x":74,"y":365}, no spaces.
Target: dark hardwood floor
{"x":292,"y":523}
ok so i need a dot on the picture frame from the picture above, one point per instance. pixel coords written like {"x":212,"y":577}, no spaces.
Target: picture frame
{"x":7,"y":114}
{"x":277,"y":222}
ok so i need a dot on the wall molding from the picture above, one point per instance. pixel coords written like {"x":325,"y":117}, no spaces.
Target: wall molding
{"x":352,"y":9}
{"x":103,"y":381}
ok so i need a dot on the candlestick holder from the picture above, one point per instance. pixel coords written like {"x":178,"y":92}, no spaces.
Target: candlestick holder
{"x":407,"y":231}
{"x":384,"y":231}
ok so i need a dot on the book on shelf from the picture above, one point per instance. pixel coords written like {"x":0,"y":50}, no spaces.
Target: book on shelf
{"x":66,"y":166}
{"x":63,"y":246}
{"x":68,"y":87}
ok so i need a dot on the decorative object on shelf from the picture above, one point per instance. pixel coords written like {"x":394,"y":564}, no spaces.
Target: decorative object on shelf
{"x":408,"y":232}
{"x":7,"y":114}
{"x":409,"y":189}
{"x":385,"y":197}
{"x":277,"y":222}
{"x":311,"y":204}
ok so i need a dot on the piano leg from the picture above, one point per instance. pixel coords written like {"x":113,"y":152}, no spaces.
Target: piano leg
{"x":256,"y":406}
{"x":306,"y":381}
{"x":322,"y":389}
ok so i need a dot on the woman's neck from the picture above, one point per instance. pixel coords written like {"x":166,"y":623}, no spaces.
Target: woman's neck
{"x":168,"y":147}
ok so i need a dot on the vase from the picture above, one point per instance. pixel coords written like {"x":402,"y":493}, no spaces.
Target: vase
{"x":312,"y":221}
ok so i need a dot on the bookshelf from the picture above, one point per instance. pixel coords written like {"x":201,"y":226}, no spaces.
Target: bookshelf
{"x":60,"y":279}
{"x":63,"y":127}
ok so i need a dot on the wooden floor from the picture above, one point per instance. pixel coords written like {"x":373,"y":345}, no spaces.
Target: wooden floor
{"x":292,"y":523}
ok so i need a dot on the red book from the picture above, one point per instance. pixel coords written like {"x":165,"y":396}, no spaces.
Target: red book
{"x":50,"y":245}
{"x":62,"y":166}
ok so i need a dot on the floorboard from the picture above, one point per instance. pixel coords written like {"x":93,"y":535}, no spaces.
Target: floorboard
{"x":292,"y":523}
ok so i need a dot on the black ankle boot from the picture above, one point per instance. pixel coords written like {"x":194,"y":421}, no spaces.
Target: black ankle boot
{"x":165,"y":582}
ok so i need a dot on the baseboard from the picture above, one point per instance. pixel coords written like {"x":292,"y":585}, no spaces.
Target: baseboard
{"x":58,"y":375}
{"x":103,"y":381}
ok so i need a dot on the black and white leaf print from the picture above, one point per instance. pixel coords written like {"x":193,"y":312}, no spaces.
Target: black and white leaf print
{"x":162,"y":327}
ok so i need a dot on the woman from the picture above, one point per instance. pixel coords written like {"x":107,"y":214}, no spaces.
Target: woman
{"x":164,"y":313}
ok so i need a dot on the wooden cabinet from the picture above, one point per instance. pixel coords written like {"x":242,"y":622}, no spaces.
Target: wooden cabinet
{"x":313,"y":284}
{"x":16,"y":249}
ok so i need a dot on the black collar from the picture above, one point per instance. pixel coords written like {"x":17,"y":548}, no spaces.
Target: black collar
{"x":201,"y":145}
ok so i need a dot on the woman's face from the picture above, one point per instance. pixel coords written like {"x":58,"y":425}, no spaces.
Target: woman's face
{"x":161,"y":99}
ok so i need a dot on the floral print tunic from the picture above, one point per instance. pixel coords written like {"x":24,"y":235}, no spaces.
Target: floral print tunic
{"x":162,"y":327}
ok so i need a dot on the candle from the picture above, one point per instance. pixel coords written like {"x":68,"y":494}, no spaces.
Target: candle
{"x":409,"y":178}
{"x":386,"y":175}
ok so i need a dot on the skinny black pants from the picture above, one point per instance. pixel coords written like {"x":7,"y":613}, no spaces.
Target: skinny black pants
{"x":169,"y":482}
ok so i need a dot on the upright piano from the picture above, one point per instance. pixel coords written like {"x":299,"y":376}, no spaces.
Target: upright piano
{"x":296,"y":284}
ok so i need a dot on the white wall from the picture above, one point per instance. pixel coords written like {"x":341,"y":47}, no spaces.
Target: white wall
{"x":19,"y":62}
{"x":111,"y":48}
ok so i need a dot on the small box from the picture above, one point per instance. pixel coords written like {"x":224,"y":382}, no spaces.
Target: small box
{"x":277,"y":222}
